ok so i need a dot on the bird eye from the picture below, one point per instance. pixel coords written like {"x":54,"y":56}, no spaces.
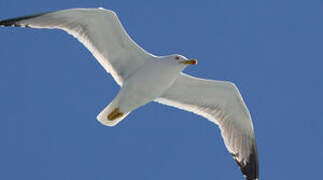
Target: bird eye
{"x":177,"y":58}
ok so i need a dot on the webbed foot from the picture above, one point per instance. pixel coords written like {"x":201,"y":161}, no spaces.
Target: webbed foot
{"x":115,"y":114}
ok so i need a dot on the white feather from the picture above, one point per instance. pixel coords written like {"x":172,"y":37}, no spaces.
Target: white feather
{"x":221,"y":103}
{"x":102,"y":33}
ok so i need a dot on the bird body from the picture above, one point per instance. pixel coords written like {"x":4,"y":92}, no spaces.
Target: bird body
{"x":162,"y":76}
{"x":145,"y":85}
{"x":144,"y":78}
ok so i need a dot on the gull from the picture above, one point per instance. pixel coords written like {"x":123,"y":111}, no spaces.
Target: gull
{"x":144,"y":77}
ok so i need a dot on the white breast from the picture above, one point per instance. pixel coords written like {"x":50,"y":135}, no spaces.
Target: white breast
{"x":148,"y":83}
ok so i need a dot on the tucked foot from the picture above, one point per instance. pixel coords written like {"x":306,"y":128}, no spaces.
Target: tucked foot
{"x":115,"y":114}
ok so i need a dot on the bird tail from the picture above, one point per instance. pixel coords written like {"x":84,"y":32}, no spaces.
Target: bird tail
{"x":111,"y":115}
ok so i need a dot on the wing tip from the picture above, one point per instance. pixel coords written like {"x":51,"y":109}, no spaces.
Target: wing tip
{"x":250,"y":168}
{"x":14,"y":22}
{"x":9,"y":22}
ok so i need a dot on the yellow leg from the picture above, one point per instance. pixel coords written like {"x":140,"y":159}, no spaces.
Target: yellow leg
{"x":115,"y":114}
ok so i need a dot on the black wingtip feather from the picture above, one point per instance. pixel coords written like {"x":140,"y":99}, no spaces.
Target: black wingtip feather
{"x":14,"y":22}
{"x":250,"y":169}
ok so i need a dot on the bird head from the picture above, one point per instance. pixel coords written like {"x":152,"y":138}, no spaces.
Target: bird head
{"x":183,"y":60}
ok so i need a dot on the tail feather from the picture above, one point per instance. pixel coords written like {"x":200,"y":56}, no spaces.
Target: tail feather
{"x":104,"y":117}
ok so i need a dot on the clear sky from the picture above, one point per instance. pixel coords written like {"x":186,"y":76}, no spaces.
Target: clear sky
{"x":52,"y":88}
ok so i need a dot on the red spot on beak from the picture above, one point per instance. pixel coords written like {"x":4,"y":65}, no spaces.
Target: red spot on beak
{"x":194,"y":62}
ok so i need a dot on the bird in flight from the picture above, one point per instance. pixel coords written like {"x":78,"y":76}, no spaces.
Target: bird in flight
{"x":144,"y":77}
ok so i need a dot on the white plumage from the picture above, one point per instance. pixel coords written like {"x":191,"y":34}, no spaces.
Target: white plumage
{"x":144,"y":77}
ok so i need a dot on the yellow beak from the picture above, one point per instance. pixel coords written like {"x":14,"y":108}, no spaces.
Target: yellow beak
{"x":191,"y":61}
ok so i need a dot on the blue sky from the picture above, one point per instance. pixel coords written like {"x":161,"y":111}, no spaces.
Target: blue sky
{"x":51,"y":89}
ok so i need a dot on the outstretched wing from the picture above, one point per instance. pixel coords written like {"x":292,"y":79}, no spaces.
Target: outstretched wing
{"x":221,"y":103}
{"x":99,"y":30}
